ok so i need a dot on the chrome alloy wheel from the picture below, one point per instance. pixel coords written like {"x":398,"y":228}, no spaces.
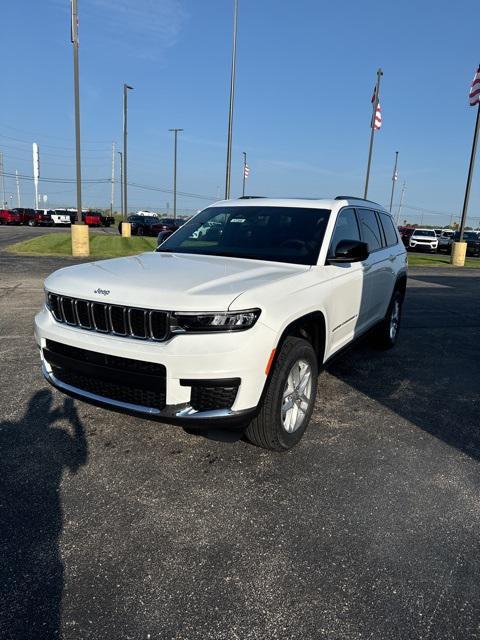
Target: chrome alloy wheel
{"x":296,"y":396}
{"x":394,"y":320}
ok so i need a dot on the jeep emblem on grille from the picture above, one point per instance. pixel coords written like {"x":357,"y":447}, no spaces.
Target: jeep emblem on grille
{"x":104,"y":292}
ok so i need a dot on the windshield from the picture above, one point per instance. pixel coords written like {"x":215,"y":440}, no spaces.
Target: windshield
{"x":470,"y":235}
{"x":424,"y":232}
{"x":279,"y":234}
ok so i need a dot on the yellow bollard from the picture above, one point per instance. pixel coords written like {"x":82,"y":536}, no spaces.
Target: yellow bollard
{"x":459,"y":251}
{"x":126,"y":229}
{"x":80,"y":241}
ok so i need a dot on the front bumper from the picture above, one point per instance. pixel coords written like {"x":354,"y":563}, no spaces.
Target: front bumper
{"x":201,"y":357}
{"x":423,"y":245}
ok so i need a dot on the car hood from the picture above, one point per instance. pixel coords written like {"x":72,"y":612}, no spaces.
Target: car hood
{"x":170,"y":281}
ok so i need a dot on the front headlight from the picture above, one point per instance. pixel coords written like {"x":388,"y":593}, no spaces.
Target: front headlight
{"x":198,"y":322}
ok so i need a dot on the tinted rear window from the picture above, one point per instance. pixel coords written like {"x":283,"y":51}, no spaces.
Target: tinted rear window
{"x":369,"y":229}
{"x":389,"y":229}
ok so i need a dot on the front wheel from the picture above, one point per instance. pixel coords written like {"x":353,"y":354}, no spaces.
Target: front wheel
{"x":31,"y":223}
{"x":289,"y":399}
{"x":386,"y":334}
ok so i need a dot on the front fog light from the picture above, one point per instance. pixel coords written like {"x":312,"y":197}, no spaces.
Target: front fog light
{"x":206,"y":322}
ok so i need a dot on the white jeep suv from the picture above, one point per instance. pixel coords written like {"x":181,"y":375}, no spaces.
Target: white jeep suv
{"x":424,"y":239}
{"x":230,"y":321}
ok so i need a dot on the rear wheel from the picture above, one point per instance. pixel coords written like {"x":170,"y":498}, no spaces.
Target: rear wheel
{"x":289,"y":399}
{"x":386,"y":334}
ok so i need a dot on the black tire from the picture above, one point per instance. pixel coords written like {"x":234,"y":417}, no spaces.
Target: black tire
{"x":267,"y":429}
{"x":384,"y":335}
{"x":31,"y":223}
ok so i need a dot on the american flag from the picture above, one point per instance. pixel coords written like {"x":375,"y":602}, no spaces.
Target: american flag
{"x":377,"y":118}
{"x":246,"y":170}
{"x":475,"y":89}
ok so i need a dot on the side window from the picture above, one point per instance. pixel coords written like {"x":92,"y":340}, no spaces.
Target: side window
{"x":389,"y":229}
{"x":370,"y":230}
{"x":346,"y":228}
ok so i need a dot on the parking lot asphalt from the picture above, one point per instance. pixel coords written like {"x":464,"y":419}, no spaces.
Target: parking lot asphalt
{"x":115,"y":527}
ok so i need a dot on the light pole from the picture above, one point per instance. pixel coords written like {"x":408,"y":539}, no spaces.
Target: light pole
{"x":175,"y":132}
{"x":76,"y":82}
{"x":232,"y":100}
{"x":126,"y":88}
{"x":112,"y":194}
{"x":394,"y":179}
{"x":401,"y":201}
{"x":121,"y":181}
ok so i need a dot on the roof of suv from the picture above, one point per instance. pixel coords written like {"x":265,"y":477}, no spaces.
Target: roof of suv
{"x":314,"y":203}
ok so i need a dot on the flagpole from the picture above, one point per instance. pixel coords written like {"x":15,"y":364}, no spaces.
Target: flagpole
{"x":244,"y":168}
{"x":394,"y":179}
{"x":470,"y":174}
{"x":232,"y":101}
{"x":372,"y":134}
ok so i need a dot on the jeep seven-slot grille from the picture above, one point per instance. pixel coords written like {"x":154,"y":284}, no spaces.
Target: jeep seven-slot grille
{"x":145,"y":324}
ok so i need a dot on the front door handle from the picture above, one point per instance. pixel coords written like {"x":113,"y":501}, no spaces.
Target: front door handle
{"x":367,"y":267}
{"x":391,"y":258}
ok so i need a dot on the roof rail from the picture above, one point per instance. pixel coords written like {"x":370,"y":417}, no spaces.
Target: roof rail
{"x":250,"y":197}
{"x":357,"y":198}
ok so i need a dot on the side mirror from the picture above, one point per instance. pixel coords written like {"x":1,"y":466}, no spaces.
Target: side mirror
{"x":349,"y":251}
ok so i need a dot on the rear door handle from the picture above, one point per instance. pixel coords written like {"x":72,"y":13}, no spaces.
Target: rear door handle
{"x":392,"y":257}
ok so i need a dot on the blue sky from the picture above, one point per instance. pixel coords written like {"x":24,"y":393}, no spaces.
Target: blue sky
{"x":306,"y":70}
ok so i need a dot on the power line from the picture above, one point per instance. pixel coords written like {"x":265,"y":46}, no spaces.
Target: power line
{"x":49,"y":136}
{"x":185,"y":194}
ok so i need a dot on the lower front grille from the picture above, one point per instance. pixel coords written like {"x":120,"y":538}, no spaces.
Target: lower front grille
{"x":120,"y":379}
{"x":207,"y":398}
{"x":111,"y":390}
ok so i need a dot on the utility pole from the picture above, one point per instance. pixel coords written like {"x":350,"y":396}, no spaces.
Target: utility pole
{"x":175,"y":132}
{"x":232,"y":101}
{"x":121,"y":181}
{"x":2,"y":173}
{"x":394,"y":180}
{"x":126,"y":88}
{"x":374,"y":128}
{"x":19,"y":202}
{"x":112,"y":195}
{"x":244,"y":173}
{"x":401,"y":202}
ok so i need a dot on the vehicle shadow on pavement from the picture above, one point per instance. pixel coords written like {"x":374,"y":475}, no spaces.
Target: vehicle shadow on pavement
{"x":431,"y":376}
{"x":34,"y":452}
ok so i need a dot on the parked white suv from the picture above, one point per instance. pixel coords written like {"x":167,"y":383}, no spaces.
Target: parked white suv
{"x":228,"y":327}
{"x":424,"y":239}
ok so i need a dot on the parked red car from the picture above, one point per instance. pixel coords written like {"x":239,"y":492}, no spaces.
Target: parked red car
{"x":26,"y":215}
{"x":91,"y":218}
{"x":10,"y":217}
{"x":405,"y":233}
{"x":42,"y":218}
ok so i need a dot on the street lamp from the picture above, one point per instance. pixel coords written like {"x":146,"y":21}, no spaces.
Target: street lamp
{"x":175,"y":131}
{"x":126,"y":88}
{"x":232,"y":100}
